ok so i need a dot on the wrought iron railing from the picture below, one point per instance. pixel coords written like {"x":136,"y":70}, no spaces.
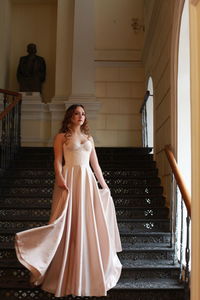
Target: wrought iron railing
{"x":143,"y":111}
{"x":10,"y":118}
{"x":180,"y":220}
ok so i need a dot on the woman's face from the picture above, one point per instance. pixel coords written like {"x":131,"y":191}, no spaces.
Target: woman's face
{"x":78,"y":117}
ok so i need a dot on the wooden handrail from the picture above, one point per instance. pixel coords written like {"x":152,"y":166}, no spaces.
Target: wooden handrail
{"x":11,"y":93}
{"x":146,"y":96}
{"x":9,"y":108}
{"x":18,"y":98}
{"x":179,"y":179}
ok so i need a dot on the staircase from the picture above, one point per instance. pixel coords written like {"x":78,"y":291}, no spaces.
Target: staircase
{"x":150,"y":270}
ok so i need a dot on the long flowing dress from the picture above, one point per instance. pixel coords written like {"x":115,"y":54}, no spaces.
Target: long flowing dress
{"x":75,"y":253}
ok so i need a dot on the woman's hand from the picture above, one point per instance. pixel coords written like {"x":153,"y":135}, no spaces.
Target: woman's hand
{"x":58,"y":156}
{"x":96,"y":168}
{"x":61,"y":182}
{"x":105,"y":187}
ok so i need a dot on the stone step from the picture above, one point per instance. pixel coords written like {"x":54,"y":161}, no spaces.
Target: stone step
{"x":124,"y":290}
{"x":135,"y":272}
{"x":49,"y":167}
{"x":101,"y":150}
{"x":121,"y":213}
{"x":138,"y":240}
{"x":150,"y":239}
{"x":141,"y":225}
{"x":150,"y":284}
{"x":12,"y":269}
{"x":29,"y":191}
{"x":48,"y":182}
{"x":45,"y":202}
{"x":108,"y":173}
{"x":146,"y":201}
{"x":141,"y":256}
{"x":151,"y":256}
{"x":160,"y":283}
{"x":125,"y":225}
{"x":138,"y":164}
{"x":139,"y":213}
{"x":101,"y":156}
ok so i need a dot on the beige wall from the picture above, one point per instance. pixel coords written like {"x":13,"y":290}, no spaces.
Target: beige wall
{"x":119,"y":76}
{"x":120,"y":88}
{"x":158,"y":55}
{"x":5,"y":21}
{"x":34,"y":22}
{"x":115,"y":39}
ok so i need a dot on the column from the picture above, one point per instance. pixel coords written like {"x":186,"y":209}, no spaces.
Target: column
{"x":83,"y":72}
{"x":64,"y":47}
{"x":64,"y":44}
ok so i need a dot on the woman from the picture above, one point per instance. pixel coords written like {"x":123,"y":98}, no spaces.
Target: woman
{"x":76,"y":252}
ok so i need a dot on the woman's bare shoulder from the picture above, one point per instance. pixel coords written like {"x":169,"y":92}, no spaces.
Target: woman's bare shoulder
{"x":59,"y":138}
{"x":90,"y":138}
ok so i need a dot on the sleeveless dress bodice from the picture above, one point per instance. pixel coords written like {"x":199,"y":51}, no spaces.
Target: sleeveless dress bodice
{"x":77,"y":154}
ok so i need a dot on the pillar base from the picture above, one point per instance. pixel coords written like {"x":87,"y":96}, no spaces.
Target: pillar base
{"x":35,"y":121}
{"x":31,"y":96}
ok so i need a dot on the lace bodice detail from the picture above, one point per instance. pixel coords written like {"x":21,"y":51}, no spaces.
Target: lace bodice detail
{"x":77,"y":154}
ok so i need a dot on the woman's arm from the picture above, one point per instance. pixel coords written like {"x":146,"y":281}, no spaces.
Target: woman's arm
{"x":58,"y":156}
{"x":95,"y":166}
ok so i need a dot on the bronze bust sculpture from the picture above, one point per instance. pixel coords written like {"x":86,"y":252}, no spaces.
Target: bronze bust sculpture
{"x":31,"y":71}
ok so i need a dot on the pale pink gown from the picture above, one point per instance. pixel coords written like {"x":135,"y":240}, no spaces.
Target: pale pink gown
{"x":76,"y":252}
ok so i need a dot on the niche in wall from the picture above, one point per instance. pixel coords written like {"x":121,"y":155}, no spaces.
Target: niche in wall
{"x":34,"y":21}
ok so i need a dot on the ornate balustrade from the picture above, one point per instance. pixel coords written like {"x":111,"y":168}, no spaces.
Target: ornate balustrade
{"x":10,"y":119}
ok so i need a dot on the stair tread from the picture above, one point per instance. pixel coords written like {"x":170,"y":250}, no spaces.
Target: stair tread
{"x":48,"y":205}
{"x":143,"y":220}
{"x":114,"y":197}
{"x":121,"y":220}
{"x":126,"y":264}
{"x":45,"y":219}
{"x":148,"y":265}
{"x":128,"y":233}
{"x":127,"y":247}
{"x":146,"y":248}
{"x":123,"y":283}
{"x":149,"y":284}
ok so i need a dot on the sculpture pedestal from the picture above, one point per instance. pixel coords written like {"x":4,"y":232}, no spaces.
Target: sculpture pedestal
{"x":31,"y":96}
{"x":35,"y":120}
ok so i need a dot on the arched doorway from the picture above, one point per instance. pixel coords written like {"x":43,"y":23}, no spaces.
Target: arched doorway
{"x":183,"y":100}
{"x":150,"y":119}
{"x":183,"y":120}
